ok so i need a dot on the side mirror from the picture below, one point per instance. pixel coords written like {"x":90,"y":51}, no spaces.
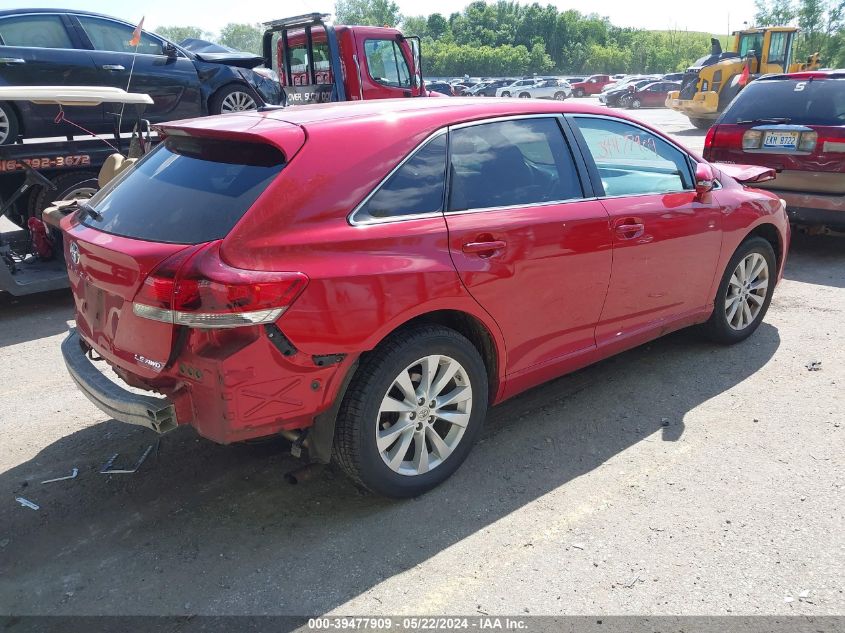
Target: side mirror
{"x":169,"y":50}
{"x":704,"y":178}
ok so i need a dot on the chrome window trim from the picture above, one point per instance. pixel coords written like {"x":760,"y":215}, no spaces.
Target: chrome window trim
{"x":669,"y":141}
{"x":354,"y":221}
{"x":411,"y":216}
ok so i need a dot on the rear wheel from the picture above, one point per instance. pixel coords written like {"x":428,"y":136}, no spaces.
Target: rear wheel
{"x":560,"y":96}
{"x":234,"y":98}
{"x":77,"y":184}
{"x":744,"y":293}
{"x":9,"y":127}
{"x":701,"y":124}
{"x":524,"y":95}
{"x":412,"y":412}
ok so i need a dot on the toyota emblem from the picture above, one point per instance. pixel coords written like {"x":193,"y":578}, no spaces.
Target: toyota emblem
{"x":74,"y":253}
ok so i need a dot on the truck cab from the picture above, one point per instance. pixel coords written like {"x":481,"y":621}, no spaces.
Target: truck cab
{"x":317,"y":62}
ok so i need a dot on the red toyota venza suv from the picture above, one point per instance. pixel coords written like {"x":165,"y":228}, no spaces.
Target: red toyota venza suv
{"x":366,"y":278}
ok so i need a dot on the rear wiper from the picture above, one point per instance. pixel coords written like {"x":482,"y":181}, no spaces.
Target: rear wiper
{"x":774,"y":120}
{"x":87,"y":209}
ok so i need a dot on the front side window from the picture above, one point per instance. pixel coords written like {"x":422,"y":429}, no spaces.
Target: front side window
{"x":507,"y":163}
{"x":752,"y":42}
{"x":633,"y":161}
{"x":387,"y":64}
{"x":415,"y":188}
{"x":34,"y":31}
{"x":107,"y":35}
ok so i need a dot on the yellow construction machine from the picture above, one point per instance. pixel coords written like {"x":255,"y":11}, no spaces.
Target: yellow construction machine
{"x":713,"y":81}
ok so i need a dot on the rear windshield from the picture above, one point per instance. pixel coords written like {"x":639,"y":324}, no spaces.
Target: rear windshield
{"x":186,"y":191}
{"x":803,"y":102}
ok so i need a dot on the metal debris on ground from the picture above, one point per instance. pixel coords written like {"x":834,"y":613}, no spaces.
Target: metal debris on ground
{"x":108,"y":469}
{"x":27,"y":503}
{"x":633,"y":582}
{"x":814,"y":365}
{"x":72,"y":475}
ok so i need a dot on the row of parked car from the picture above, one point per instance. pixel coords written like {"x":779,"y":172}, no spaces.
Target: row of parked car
{"x":634,"y":91}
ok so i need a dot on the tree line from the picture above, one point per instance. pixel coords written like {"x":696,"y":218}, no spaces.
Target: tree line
{"x":507,"y":38}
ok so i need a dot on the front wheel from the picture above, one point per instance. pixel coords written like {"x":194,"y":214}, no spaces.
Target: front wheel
{"x":234,"y":98}
{"x":506,"y":94}
{"x":579,"y":93}
{"x":635,"y":104}
{"x":744,"y":293}
{"x":412,"y":412}
{"x":524,"y":95}
{"x":560,"y":96}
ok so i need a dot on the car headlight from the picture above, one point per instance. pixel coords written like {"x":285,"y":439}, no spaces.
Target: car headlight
{"x":266,"y":73}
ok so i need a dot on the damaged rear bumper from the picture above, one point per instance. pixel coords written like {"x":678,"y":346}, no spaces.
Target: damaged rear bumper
{"x":153,"y":412}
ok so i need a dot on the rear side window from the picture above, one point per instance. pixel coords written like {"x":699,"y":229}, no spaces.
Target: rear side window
{"x":633,"y":161}
{"x":800,"y":102}
{"x":415,"y":188}
{"x":507,"y":163}
{"x":34,"y":31}
{"x":186,"y":191}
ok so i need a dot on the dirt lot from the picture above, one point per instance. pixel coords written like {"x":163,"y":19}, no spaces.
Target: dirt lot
{"x":678,"y":478}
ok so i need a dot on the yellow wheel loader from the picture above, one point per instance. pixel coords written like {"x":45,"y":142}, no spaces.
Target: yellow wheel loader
{"x":713,"y":81}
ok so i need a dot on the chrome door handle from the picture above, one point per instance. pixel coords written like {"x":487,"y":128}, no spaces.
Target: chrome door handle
{"x":630,"y":231}
{"x":113,"y":67}
{"x":484,"y":249}
{"x":12,"y":60}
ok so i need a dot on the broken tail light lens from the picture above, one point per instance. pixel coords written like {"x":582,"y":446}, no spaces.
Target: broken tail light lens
{"x":752,"y":139}
{"x":807,"y":142}
{"x":199,"y":290}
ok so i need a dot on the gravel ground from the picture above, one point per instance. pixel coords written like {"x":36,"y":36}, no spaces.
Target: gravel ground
{"x":677,"y":478}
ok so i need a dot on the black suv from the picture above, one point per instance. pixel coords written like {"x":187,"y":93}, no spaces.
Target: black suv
{"x":77,"y":48}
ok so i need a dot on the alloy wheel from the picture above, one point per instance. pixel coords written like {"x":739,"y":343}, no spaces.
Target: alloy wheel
{"x":80,"y":193}
{"x":237,"y":102}
{"x":5,"y":126}
{"x":424,"y":414}
{"x":746,"y":291}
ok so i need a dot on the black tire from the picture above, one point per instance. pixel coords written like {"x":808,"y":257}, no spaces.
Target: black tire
{"x":718,"y":328}
{"x":524,"y":95}
{"x":66,"y":185}
{"x":701,"y":124}
{"x":9,"y":124}
{"x":506,"y":93}
{"x":215,"y":104}
{"x":634,"y":104}
{"x":579,"y":92}
{"x":560,"y":96}
{"x":355,"y":448}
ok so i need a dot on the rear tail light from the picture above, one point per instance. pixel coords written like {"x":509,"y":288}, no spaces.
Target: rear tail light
{"x":197,"y":289}
{"x":807,"y":142}
{"x":752,"y":139}
{"x":711,"y":135}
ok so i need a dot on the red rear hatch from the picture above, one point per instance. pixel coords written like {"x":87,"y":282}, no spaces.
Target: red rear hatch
{"x":135,"y":236}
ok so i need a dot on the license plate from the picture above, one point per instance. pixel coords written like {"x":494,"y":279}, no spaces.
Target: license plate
{"x":781,"y":140}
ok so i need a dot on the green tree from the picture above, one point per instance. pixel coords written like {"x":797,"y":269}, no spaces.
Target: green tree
{"x":415,"y":25}
{"x":178,"y":33}
{"x":242,"y":37}
{"x":367,"y":12}
{"x":774,"y":12}
{"x":436,"y":25}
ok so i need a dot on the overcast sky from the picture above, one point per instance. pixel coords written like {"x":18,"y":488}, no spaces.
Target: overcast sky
{"x":211,"y":15}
